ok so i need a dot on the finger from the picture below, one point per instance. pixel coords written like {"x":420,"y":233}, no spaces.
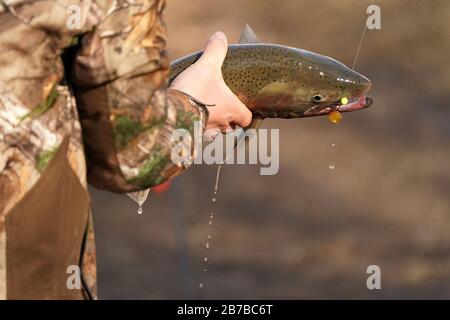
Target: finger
{"x":242,"y":115}
{"x":245,"y":118}
{"x":211,"y":133}
{"x":227,"y":129}
{"x":215,"y":50}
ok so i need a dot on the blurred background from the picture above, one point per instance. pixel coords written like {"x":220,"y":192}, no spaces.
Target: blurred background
{"x":309,"y":231}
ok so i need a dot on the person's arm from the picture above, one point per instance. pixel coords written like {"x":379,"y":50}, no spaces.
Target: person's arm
{"x":127,"y":112}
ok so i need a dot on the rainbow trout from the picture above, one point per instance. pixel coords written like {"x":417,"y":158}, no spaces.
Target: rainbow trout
{"x":276,"y":81}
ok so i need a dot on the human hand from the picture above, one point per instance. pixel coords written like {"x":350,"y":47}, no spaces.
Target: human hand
{"x":203,"y":80}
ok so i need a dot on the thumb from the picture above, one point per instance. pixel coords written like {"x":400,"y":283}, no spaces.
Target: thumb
{"x":215,"y":50}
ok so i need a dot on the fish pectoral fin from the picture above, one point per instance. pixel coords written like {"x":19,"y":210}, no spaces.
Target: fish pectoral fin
{"x":248,"y":36}
{"x":274,"y":89}
{"x":255,"y":124}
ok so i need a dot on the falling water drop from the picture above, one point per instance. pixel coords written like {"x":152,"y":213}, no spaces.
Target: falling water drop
{"x":139,"y":197}
{"x":211,"y":217}
{"x":331,"y":166}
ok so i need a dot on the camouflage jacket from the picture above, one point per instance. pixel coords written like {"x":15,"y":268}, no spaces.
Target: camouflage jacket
{"x":83,"y":93}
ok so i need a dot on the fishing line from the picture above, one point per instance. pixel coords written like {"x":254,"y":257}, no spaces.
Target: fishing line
{"x":360,"y":42}
{"x":359,"y":46}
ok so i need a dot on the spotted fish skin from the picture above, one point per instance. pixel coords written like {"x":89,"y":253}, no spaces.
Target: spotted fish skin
{"x":276,"y":81}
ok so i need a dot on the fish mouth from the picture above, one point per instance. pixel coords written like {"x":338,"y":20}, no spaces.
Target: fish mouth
{"x":354,"y":104}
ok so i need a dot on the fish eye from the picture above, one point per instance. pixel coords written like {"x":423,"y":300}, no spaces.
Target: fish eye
{"x":317,"y":98}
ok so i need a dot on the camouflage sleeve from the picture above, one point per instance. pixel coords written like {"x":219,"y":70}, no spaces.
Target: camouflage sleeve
{"x":127,"y":113}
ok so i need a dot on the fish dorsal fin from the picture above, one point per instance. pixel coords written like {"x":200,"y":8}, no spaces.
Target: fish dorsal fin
{"x":248,"y":36}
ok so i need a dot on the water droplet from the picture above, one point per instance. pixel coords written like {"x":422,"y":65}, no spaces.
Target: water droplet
{"x":213,"y":199}
{"x":200,"y":285}
{"x":139,"y":196}
{"x":207,"y":245}
{"x":204,"y":270}
{"x":331,"y":166}
{"x":210,"y":223}
{"x":139,"y":211}
{"x":333,"y":145}
{"x":205,"y":259}
{"x":209,"y":236}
